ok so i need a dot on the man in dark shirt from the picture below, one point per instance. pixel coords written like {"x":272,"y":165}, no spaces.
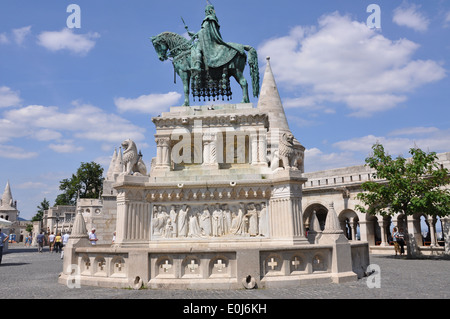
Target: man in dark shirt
{"x":40,"y":240}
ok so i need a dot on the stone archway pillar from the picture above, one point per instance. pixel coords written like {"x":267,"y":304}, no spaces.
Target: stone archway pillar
{"x":382,"y":224}
{"x":363,"y":230}
{"x":432,"y":225}
{"x":354,"y":228}
{"x":446,"y":233}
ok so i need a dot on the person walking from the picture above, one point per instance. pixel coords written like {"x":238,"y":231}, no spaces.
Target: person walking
{"x":395,"y":240}
{"x":40,"y":238}
{"x":65,"y":240}
{"x":51,"y":240}
{"x":58,"y":243}
{"x":3,"y":239}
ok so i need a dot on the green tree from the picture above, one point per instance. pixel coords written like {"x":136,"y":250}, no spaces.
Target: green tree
{"x":87,"y":182}
{"x":405,"y":186}
{"x":29,"y":228}
{"x":43,"y":206}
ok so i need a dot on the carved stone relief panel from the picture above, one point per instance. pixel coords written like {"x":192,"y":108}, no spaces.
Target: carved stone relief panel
{"x":209,"y":220}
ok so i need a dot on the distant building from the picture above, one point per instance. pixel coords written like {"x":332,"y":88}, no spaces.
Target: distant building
{"x":9,"y":211}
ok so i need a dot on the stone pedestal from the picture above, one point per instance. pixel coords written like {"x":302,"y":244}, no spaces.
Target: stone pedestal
{"x":221,"y":208}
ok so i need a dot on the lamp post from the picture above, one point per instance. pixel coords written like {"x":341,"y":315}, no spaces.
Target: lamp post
{"x":57,"y":221}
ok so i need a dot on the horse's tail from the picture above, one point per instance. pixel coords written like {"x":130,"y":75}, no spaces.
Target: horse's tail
{"x":254,"y":68}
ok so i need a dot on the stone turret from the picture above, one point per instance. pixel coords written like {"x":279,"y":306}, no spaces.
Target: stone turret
{"x":279,"y":132}
{"x":7,"y":200}
{"x":8,"y":207}
{"x":112,"y":164}
{"x":270,"y":102}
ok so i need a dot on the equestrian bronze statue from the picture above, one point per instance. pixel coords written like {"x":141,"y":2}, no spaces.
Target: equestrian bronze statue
{"x":205,"y":63}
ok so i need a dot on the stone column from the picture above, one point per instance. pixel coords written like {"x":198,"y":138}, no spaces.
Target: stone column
{"x":432,"y":224}
{"x":412,"y":248}
{"x":286,"y":217}
{"x":354,"y":228}
{"x":133,"y":220}
{"x":363,"y":230}
{"x":254,"y":148}
{"x":210,"y":150}
{"x":162,"y":153}
{"x":382,"y":225}
{"x":121,"y":221}
{"x":446,"y":232}
{"x":262,"y":148}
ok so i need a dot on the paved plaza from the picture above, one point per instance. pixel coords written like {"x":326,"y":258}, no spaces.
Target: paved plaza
{"x":25,"y":273}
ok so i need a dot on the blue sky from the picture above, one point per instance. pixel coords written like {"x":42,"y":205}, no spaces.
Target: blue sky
{"x":72,"y":95}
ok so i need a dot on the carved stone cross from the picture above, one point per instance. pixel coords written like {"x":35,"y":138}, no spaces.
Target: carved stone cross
{"x":272,"y":263}
{"x":166,"y":266}
{"x":193,"y":266}
{"x":88,"y":264}
{"x":101,"y":264}
{"x":119,"y":266}
{"x":220,"y":265}
{"x":295,"y":263}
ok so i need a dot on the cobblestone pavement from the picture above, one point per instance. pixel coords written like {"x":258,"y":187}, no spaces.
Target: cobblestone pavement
{"x":27,"y":274}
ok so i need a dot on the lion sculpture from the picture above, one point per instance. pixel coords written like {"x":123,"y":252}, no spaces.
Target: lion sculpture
{"x":290,"y":153}
{"x":132,"y":160}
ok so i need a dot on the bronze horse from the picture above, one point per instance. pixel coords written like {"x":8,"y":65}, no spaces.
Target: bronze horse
{"x":211,"y":82}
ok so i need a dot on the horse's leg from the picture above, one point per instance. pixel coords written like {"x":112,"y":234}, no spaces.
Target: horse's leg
{"x":238,"y":74}
{"x":185,"y":77}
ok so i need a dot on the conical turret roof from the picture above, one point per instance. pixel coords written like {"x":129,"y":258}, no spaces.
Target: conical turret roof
{"x":112,"y":164}
{"x":270,"y":102}
{"x":79,"y":229}
{"x":119,"y":162}
{"x":7,"y":200}
{"x":332,"y":225}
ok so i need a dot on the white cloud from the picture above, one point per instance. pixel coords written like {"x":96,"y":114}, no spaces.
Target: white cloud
{"x":408,"y":15}
{"x":66,"y":39}
{"x":46,"y":135}
{"x":343,"y":61}
{"x":414,"y":131}
{"x":447,"y":20}
{"x":353,"y":151}
{"x":8,"y":97}
{"x":399,"y":142}
{"x":150,"y":104}
{"x":3,"y":38}
{"x":82,"y":122}
{"x":317,"y":160}
{"x":14,"y":152}
{"x":32,"y":185}
{"x":67,"y":147}
{"x":20,"y":34}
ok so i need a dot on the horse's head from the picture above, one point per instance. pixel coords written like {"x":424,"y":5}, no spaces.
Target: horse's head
{"x":160,"y":46}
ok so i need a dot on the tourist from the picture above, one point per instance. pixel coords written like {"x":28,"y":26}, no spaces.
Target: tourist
{"x":30,"y":240}
{"x":114,"y":238}
{"x":51,"y":240}
{"x":3,"y":239}
{"x":40,"y":238}
{"x":65,"y":240}
{"x":93,"y":237}
{"x":58,"y":243}
{"x":395,"y":240}
{"x":26,"y":241}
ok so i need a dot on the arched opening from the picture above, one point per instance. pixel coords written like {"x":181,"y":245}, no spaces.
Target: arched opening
{"x":349,"y":221}
{"x":321,"y":214}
